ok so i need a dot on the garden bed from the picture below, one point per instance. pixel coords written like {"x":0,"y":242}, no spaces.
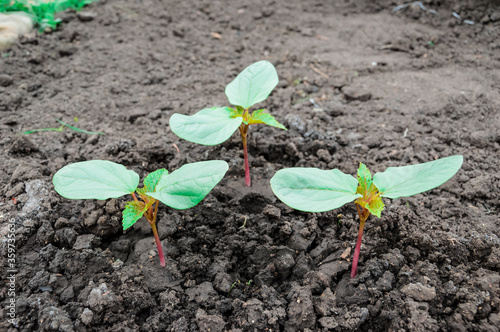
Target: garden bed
{"x":359,"y":82}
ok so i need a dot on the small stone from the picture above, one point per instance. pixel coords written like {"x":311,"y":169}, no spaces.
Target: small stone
{"x":324,"y":155}
{"x":5,"y":80}
{"x":384,"y":283}
{"x":86,"y":241}
{"x":354,"y":93}
{"x":86,"y":16}
{"x":93,"y":139}
{"x":267,"y":12}
{"x":324,"y":303}
{"x":87,"y":316}
{"x":209,"y":323}
{"x":419,"y":292}
{"x":117,"y":264}
{"x":495,"y":16}
{"x":61,"y":223}
{"x":272,"y":211}
{"x":222,"y":282}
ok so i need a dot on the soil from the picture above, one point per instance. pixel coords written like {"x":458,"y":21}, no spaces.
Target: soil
{"x":359,"y":82}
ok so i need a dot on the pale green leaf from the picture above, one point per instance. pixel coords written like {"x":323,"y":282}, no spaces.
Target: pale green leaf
{"x":210,"y":126}
{"x":406,"y":181}
{"x":151,"y":181}
{"x":376,"y":206}
{"x":133,"y":212}
{"x":314,"y":190}
{"x":252,"y":85}
{"x":364,"y":178}
{"x":260,"y":117}
{"x":95,"y":179}
{"x":187,"y":186}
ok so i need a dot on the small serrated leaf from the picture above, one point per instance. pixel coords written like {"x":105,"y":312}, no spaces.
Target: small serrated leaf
{"x":376,"y":206}
{"x":364,"y":178}
{"x":260,"y":117}
{"x":133,"y":212}
{"x":153,"y":178}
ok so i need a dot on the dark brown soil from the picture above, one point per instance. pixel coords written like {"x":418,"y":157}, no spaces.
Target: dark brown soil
{"x":389,"y":89}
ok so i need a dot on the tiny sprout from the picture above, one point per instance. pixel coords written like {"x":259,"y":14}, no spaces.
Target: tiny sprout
{"x":315,"y":190}
{"x":212,"y":126}
{"x":102,"y":179}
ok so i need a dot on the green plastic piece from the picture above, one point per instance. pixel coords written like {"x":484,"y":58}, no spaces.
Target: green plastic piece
{"x":253,"y":85}
{"x":95,"y":179}
{"x":210,"y":126}
{"x":314,"y":190}
{"x":187,"y":186}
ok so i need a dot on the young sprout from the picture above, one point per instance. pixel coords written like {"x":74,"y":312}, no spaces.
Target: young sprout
{"x":212,"y":126}
{"x":315,"y":190}
{"x":102,"y":179}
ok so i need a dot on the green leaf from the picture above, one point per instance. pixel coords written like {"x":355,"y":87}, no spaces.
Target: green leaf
{"x":252,"y":85}
{"x":375,"y":205}
{"x":151,"y":181}
{"x":364,"y":178}
{"x":133,"y":212}
{"x":210,"y":126}
{"x":314,"y":190}
{"x":95,"y":179}
{"x":260,"y":117}
{"x":187,"y":186}
{"x":406,"y":181}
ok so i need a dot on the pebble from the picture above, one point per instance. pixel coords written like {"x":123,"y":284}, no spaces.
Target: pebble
{"x":419,"y":292}
{"x":5,"y":80}
{"x":86,"y":16}
{"x":87,"y":316}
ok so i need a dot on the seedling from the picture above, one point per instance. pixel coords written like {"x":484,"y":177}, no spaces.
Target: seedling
{"x":315,"y":190}
{"x":212,"y":126}
{"x":61,"y":128}
{"x":102,"y":179}
{"x":43,"y":12}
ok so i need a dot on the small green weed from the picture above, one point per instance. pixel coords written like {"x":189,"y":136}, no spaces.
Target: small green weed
{"x":42,"y":12}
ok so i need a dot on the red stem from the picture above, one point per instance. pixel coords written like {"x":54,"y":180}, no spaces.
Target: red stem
{"x":158,"y":244}
{"x":355,"y":259}
{"x":363,"y":216}
{"x":243,"y":132}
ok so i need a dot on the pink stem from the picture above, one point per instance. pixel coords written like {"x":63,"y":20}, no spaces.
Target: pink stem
{"x":243,"y":132}
{"x":158,"y":244}
{"x":355,"y":259}
{"x":247,"y":166}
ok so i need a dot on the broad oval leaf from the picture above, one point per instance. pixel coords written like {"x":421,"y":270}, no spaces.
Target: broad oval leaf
{"x":95,"y":179}
{"x":252,"y":85}
{"x":187,"y":186}
{"x":410,"y":180}
{"x":314,"y":190}
{"x":210,"y":126}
